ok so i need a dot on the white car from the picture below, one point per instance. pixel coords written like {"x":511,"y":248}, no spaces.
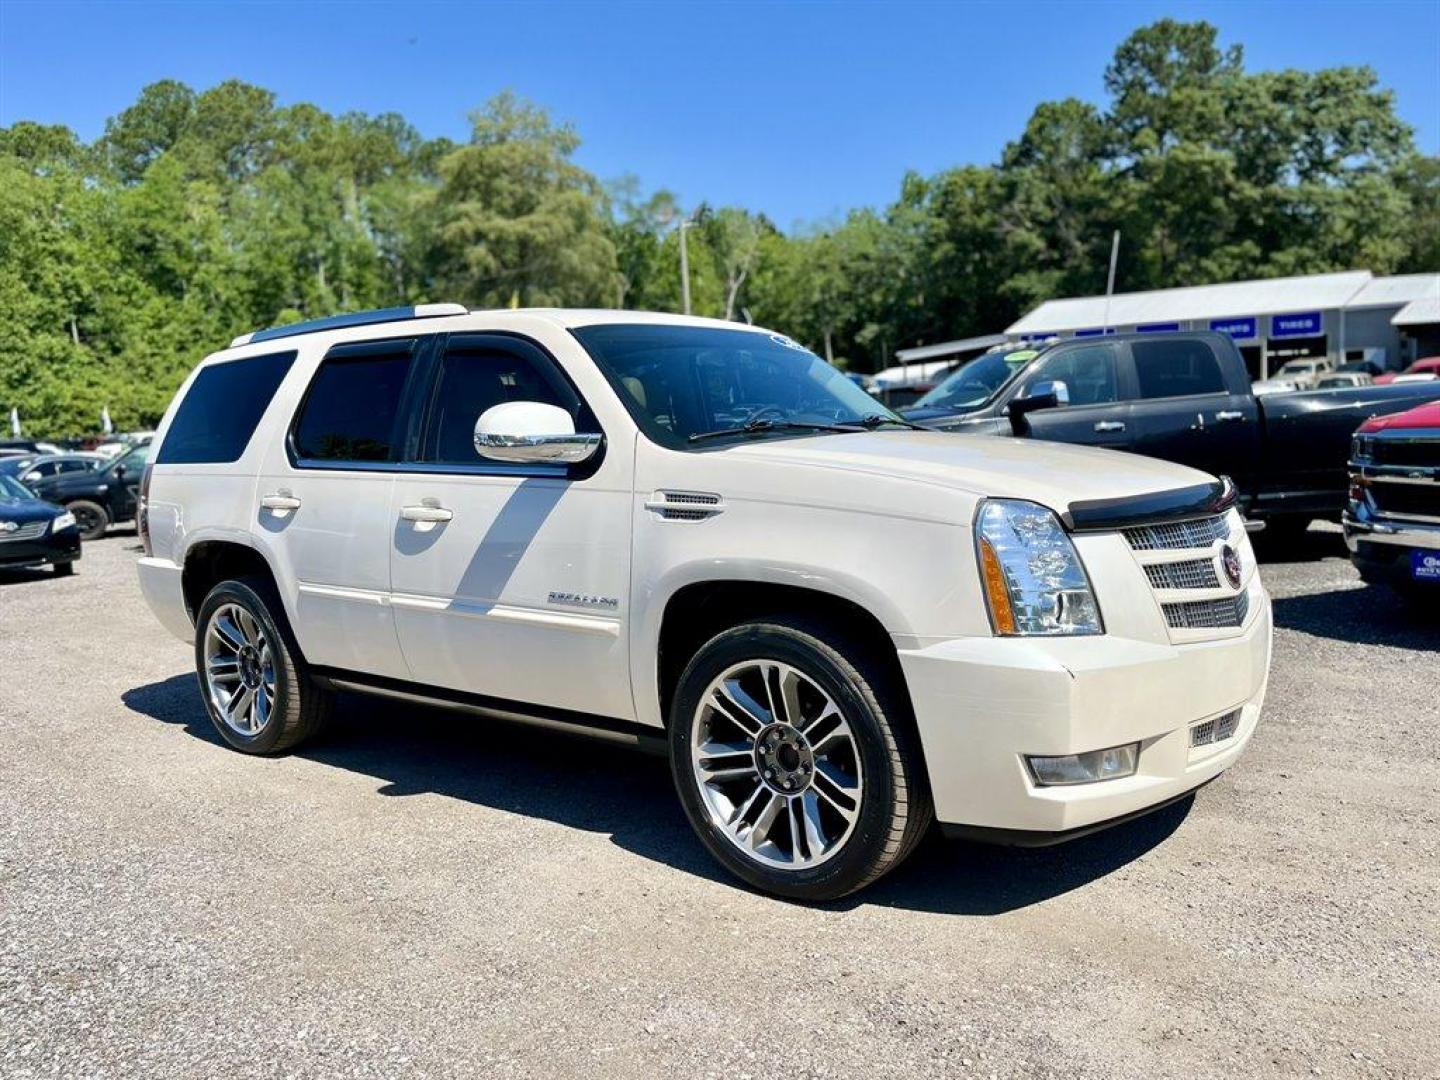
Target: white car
{"x":1261,"y":387}
{"x":1305,"y":373}
{"x":698,"y":537}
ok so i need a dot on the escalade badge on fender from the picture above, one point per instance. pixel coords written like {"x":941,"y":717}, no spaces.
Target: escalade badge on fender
{"x":1231,"y":563}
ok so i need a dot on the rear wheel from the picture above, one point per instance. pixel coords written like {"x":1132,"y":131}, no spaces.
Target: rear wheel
{"x":794,"y":759}
{"x":256,"y":691}
{"x":90,"y":517}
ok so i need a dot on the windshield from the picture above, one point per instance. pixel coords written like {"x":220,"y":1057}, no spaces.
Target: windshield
{"x":976,"y":382}
{"x":683,"y":382}
{"x":14,"y":466}
{"x":11,"y":488}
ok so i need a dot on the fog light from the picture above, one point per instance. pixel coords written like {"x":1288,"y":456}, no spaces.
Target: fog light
{"x":1086,"y":768}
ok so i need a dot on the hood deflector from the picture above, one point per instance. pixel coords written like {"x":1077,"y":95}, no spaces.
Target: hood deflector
{"x":1187,"y":502}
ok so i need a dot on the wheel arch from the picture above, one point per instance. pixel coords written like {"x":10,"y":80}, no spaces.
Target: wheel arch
{"x":208,"y":562}
{"x":697,"y":611}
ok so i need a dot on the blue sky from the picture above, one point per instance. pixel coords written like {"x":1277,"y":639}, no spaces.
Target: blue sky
{"x":801,"y":110}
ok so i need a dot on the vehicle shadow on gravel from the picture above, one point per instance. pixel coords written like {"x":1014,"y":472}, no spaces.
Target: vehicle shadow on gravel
{"x":628,"y":795}
{"x":1372,"y":615}
{"x":1318,"y":542}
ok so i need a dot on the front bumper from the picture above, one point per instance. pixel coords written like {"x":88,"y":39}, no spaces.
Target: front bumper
{"x":1380,"y":547}
{"x":53,"y":547}
{"x":984,"y":704}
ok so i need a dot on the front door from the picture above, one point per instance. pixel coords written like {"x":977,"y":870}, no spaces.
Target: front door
{"x":1098,"y":413}
{"x":509,"y":580}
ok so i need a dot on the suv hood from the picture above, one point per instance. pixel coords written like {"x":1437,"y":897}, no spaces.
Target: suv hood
{"x":1052,"y":474}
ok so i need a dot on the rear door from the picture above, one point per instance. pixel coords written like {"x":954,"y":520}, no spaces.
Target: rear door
{"x":1189,"y":411}
{"x":323,"y":503}
{"x":1099,"y":410}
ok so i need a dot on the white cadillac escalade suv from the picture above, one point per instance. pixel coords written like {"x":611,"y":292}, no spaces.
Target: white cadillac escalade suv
{"x":698,"y":537}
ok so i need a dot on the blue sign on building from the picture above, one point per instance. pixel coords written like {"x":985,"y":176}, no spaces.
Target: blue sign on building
{"x":1158,"y":328}
{"x":1239,"y":329}
{"x":1094,"y":331}
{"x":1298,"y":324}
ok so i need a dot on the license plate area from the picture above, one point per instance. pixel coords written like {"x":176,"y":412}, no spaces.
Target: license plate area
{"x":1425,"y":565}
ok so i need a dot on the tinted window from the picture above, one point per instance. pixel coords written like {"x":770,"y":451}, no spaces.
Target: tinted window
{"x":350,"y":411}
{"x":477,"y":373}
{"x":224,"y":403}
{"x":1088,"y":371}
{"x":1176,"y":368}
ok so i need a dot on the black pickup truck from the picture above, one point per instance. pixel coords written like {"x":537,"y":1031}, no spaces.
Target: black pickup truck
{"x":1182,"y":396}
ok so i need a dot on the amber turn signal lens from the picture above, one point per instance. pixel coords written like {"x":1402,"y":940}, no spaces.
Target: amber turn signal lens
{"x":996,"y":591}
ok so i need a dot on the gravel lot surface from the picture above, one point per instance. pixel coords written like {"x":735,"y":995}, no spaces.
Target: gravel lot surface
{"x":422,"y":894}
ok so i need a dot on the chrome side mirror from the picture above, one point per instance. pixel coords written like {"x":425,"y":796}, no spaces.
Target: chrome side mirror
{"x":531,"y":431}
{"x":1051,"y":388}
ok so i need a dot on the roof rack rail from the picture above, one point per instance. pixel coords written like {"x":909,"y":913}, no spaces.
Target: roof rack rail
{"x":354,"y":318}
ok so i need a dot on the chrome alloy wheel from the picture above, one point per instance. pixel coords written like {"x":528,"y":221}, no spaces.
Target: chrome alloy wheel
{"x":776,"y":764}
{"x":239,"y":670}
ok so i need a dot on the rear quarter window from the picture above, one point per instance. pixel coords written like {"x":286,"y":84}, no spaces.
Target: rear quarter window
{"x":224,"y":403}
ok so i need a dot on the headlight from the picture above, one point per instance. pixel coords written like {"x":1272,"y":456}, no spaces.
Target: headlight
{"x":1034,"y":580}
{"x":62,"y":521}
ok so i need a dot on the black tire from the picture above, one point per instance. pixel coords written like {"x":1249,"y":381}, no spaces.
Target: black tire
{"x":301,"y":706}
{"x":895,"y":809}
{"x":91,"y":518}
{"x":64,"y":569}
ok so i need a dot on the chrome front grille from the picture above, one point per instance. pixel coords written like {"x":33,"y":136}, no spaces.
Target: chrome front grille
{"x":1190,"y":574}
{"x":28,"y":530}
{"x":1217,"y":730}
{"x":1171,"y":535}
{"x":1207,"y":614}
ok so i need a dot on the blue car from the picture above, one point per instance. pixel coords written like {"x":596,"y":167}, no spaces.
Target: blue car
{"x":34,"y":532}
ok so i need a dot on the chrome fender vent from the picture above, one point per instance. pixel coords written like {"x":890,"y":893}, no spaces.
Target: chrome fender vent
{"x":685,"y":505}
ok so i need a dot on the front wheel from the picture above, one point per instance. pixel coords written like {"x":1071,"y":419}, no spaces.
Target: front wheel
{"x":256,"y":693}
{"x":795,"y":760}
{"x":91,"y":518}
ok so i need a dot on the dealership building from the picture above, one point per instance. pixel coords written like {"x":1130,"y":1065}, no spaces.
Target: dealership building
{"x":1349,"y":316}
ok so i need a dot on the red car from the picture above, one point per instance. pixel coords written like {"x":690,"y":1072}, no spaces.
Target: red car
{"x":1392,"y":523}
{"x":1428,"y":366}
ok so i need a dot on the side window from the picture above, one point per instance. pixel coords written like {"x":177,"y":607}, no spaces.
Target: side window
{"x":478,"y":372}
{"x":1169,"y":368}
{"x":224,"y":403}
{"x":352,"y":408}
{"x":1089,"y":371}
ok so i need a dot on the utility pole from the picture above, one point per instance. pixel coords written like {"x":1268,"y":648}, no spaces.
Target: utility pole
{"x":1110,"y":282}
{"x":685,"y":223}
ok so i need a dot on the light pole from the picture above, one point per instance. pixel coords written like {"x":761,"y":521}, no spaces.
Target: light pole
{"x":685,"y":223}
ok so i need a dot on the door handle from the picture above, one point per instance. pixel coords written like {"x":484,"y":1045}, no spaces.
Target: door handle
{"x":431,"y":514}
{"x":1110,"y":425}
{"x":1229,"y":414}
{"x":281,"y":503}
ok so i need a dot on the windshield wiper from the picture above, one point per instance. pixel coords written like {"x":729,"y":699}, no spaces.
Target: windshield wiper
{"x":875,"y":420}
{"x":757,"y":427}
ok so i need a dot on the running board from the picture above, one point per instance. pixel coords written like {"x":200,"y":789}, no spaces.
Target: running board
{"x":565,"y":721}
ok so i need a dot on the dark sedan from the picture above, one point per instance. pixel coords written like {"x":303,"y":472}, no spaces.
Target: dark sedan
{"x":34,"y":532}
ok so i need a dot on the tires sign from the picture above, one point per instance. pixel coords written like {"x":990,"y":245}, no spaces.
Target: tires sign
{"x":1298,"y":324}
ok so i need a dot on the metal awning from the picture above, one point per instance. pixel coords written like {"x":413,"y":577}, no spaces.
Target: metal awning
{"x":921,"y":353}
{"x":1418,"y":312}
